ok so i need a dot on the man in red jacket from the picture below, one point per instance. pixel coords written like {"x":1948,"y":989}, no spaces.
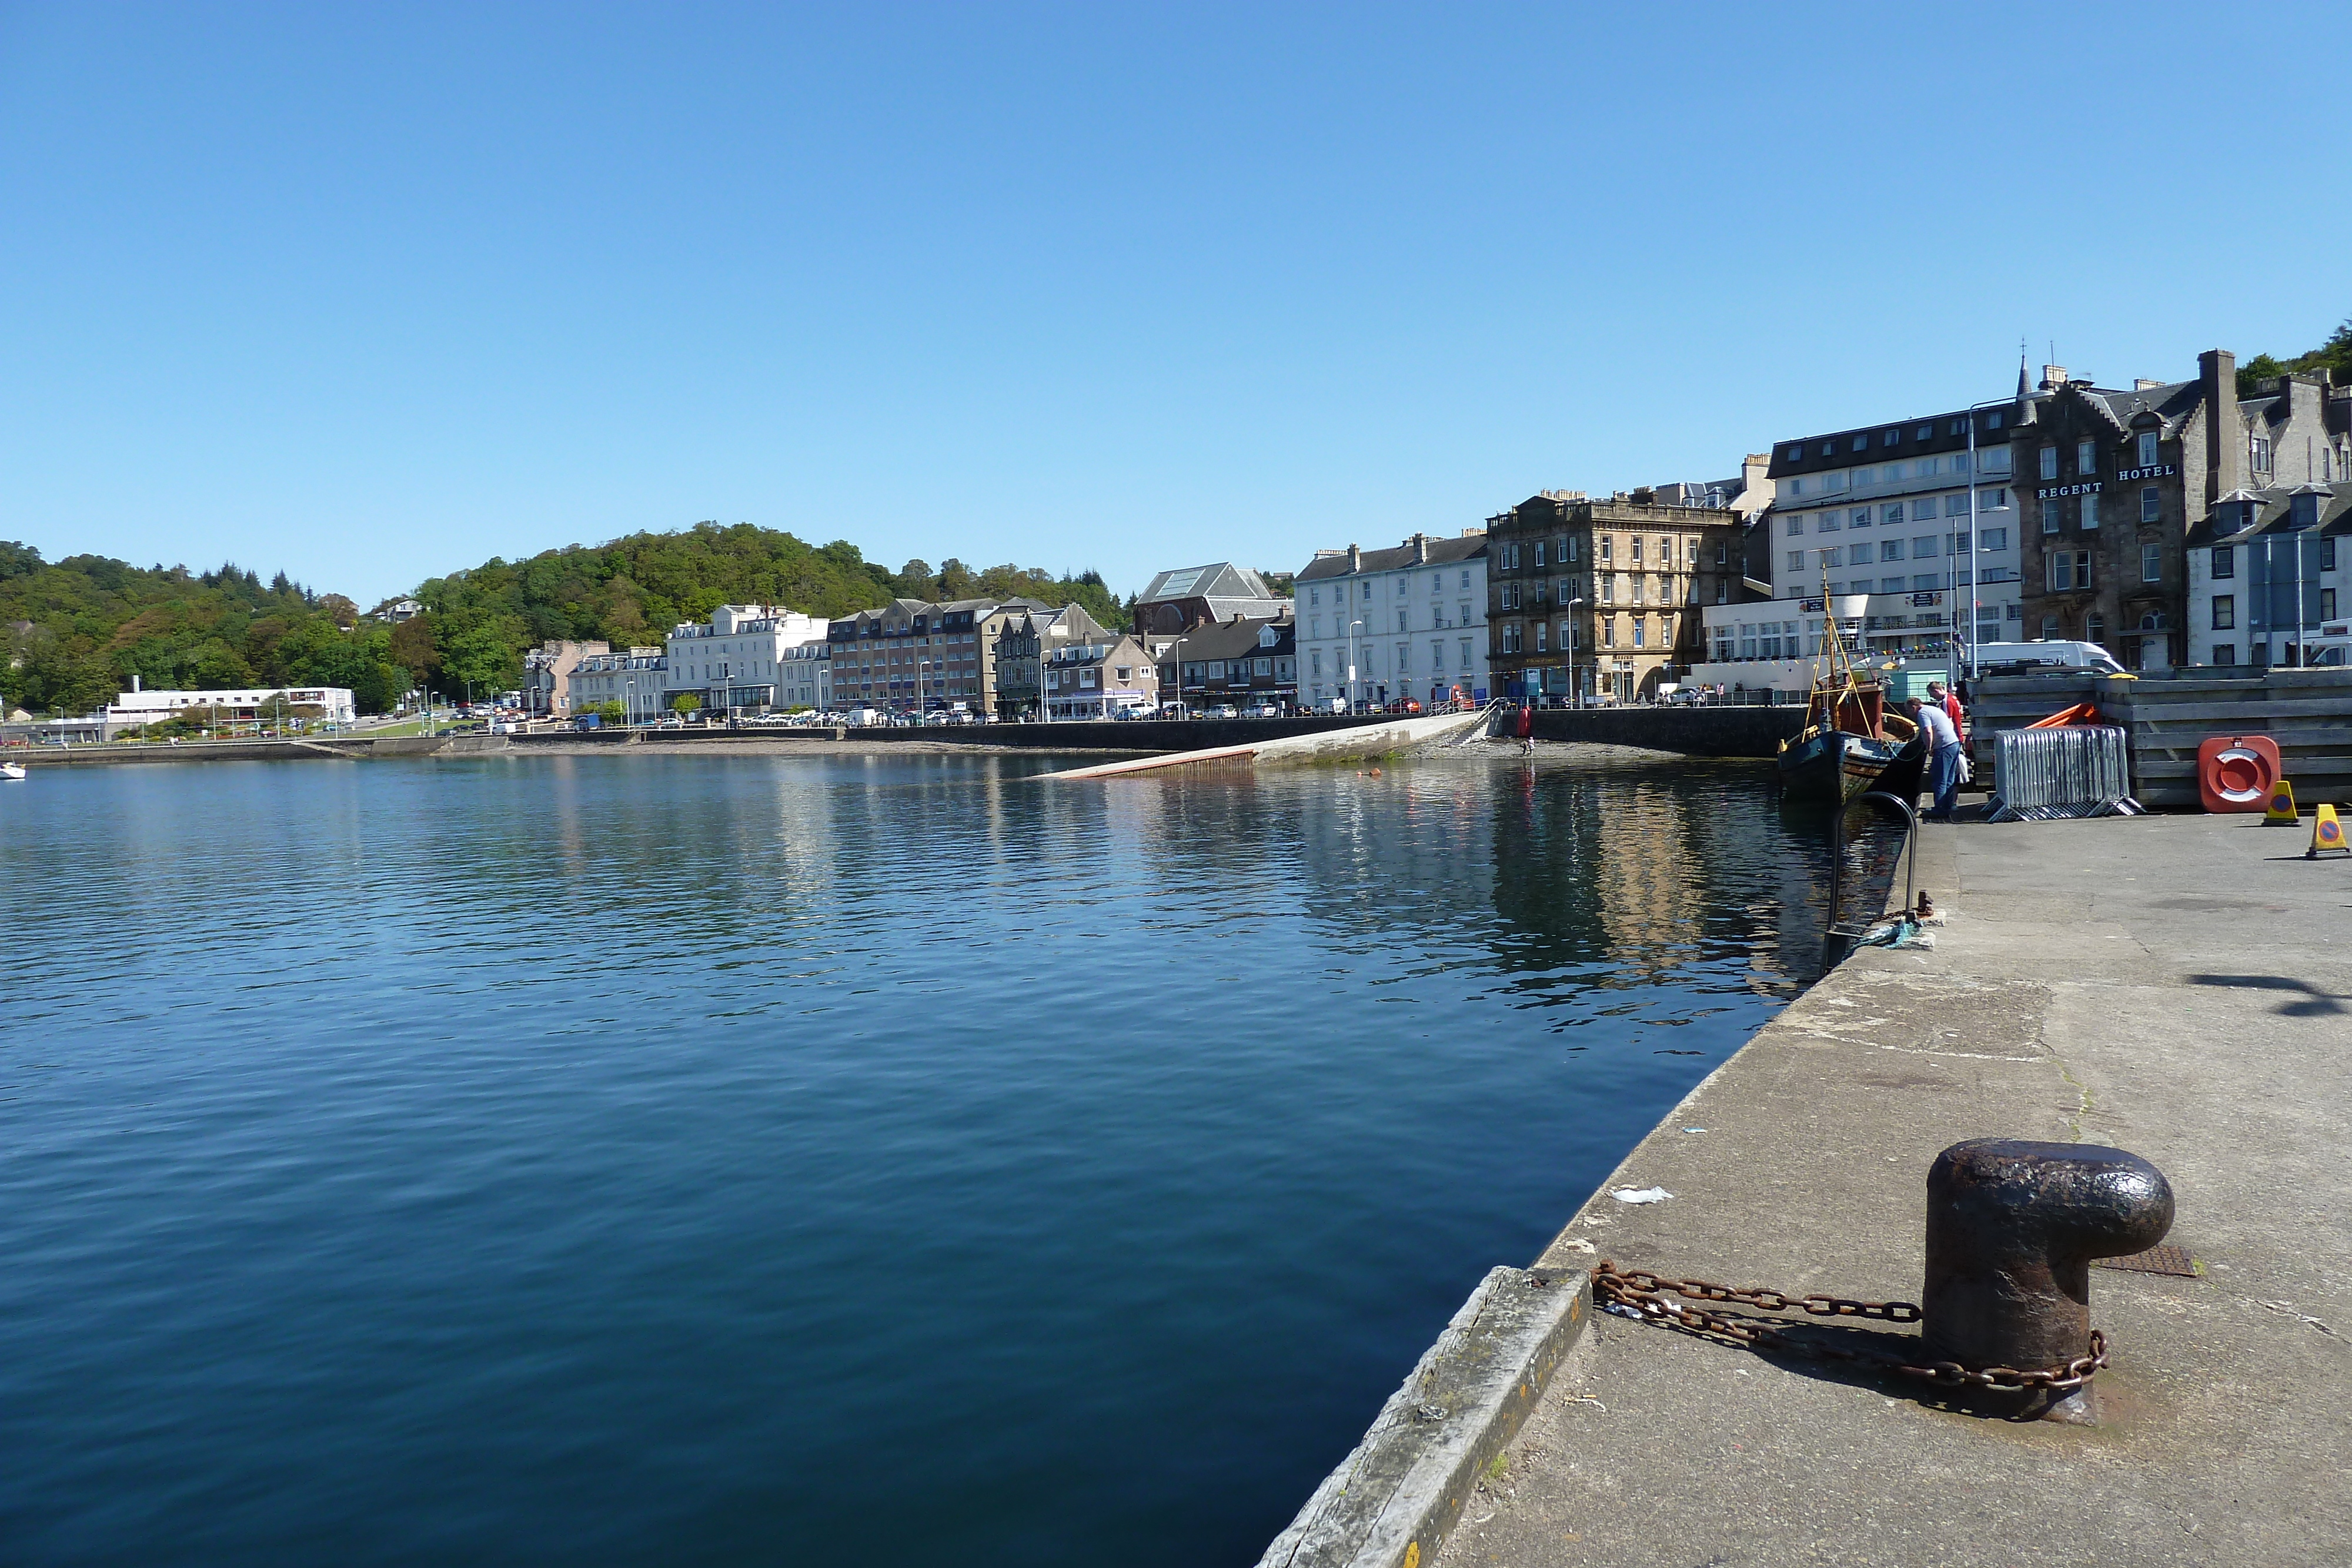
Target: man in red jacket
{"x":1525,"y":728}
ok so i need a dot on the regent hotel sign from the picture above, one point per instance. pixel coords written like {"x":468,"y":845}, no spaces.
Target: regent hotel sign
{"x":2094,"y":487}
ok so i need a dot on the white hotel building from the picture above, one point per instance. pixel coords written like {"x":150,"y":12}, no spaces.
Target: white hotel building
{"x":1409,"y":621}
{"x":1880,"y":517}
{"x":742,"y":657}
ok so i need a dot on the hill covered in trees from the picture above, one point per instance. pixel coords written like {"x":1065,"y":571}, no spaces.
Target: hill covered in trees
{"x":478,"y":623}
{"x":2336,"y":355}
{"x":78,"y":630}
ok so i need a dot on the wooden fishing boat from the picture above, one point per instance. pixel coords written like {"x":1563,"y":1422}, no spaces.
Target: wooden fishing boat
{"x":1849,"y":743}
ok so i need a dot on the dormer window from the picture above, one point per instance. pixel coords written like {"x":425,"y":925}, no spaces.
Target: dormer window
{"x":1266,"y":637}
{"x":2148,"y":449}
{"x":2302,"y":511}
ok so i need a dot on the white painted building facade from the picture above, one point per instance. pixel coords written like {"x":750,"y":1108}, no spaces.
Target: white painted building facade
{"x":736,"y":659}
{"x":330,"y":704}
{"x":1881,"y":518}
{"x":1384,"y":624}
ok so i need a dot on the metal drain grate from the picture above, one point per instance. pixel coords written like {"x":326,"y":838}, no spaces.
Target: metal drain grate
{"x":2155,"y":1260}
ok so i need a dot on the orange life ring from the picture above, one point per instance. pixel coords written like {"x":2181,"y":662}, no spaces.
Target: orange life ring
{"x":2237,"y":772}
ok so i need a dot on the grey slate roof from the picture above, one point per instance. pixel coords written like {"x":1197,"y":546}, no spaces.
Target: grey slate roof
{"x":2334,"y":513}
{"x":1442,"y":552}
{"x":1233,"y":640}
{"x":1218,"y":579}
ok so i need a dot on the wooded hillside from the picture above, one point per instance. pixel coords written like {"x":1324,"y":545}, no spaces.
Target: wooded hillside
{"x":79,"y":629}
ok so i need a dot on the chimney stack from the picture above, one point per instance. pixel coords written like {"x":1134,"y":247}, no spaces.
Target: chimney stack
{"x":1355,"y":559}
{"x":1420,"y":547}
{"x":2225,"y":437}
{"x":2052,"y":377}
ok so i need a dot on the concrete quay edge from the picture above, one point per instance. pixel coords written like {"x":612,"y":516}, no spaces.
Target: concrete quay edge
{"x":1393,"y":1501}
{"x":2173,"y":986}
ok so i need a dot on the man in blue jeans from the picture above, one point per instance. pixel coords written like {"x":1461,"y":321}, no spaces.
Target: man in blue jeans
{"x":1943,"y":755}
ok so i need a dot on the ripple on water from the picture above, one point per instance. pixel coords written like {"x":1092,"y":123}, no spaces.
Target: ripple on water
{"x":886,"y":1159}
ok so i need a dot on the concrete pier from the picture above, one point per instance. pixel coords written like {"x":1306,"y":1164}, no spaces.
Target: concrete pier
{"x":2179,"y":987}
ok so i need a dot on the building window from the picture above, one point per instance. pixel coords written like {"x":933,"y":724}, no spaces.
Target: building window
{"x":1924,"y":548}
{"x":1833,"y":556}
{"x":1890,"y":549}
{"x":1859,"y":517}
{"x":2261,"y":454}
{"x":1890,"y":514}
{"x":1464,"y":645}
{"x":2327,"y":604}
{"x":1607,"y":631}
{"x":2151,"y":563}
{"x":2225,"y":612}
{"x":2090,"y":511}
{"x":1795,"y":528}
{"x":1990,"y":539}
{"x":2327,"y":555}
{"x":1828,"y":523}
{"x":2225,"y":561}
{"x":2064,"y":570}
{"x":1923,"y":510}
{"x":2094,"y":629}
{"x":2050,"y":627}
{"x":1315,"y":661}
{"x":2049,"y":463}
{"x":1796,"y":560}
{"x":2152,"y":504}
{"x":2147,"y":452}
{"x":1541,"y":627}
{"x":2086,"y":458}
{"x":2225,"y":652}
{"x":1641,"y":625}
{"x":1862,"y":443}
{"x":1608,"y":545}
{"x":1540,"y":552}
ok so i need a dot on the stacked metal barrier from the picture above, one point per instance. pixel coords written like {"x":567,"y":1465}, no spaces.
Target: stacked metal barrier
{"x":2078,"y":770}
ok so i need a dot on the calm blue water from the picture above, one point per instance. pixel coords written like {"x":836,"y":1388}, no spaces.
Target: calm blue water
{"x":727,"y":1159}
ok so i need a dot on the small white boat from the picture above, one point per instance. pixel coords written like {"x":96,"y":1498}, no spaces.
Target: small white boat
{"x":12,"y":772}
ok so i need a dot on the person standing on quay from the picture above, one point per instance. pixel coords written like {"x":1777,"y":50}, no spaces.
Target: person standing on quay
{"x":1943,"y":697}
{"x":1944,"y":756}
{"x":1525,"y":729}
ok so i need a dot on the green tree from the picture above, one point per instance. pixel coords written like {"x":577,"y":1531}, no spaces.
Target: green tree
{"x":686,"y":702}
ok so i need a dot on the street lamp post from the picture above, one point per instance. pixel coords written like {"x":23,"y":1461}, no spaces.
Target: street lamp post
{"x":1575,"y":684}
{"x":1351,"y":664}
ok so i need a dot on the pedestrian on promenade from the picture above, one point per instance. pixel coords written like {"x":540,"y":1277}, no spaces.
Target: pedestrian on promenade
{"x":1943,"y":738}
{"x":1945,"y":698}
{"x":1525,"y":729}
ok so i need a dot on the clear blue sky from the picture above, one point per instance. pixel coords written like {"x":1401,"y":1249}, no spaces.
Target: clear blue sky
{"x":367,"y":293}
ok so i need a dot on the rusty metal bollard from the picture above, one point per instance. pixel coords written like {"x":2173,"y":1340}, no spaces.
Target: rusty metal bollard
{"x":2012,"y":1226}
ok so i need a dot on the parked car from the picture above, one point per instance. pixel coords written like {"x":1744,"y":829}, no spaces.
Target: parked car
{"x":1263,"y":710}
{"x":1223,"y":710}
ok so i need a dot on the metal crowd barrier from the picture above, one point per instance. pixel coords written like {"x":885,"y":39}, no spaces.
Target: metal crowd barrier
{"x":2044,"y":775}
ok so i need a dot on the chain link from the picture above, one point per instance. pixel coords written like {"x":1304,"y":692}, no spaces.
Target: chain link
{"x":1641,"y":1294}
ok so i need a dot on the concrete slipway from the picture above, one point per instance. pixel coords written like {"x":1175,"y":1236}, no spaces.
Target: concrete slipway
{"x":2179,"y":986}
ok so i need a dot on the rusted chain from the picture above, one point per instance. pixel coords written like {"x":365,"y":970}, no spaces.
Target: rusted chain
{"x":1643,"y":1294}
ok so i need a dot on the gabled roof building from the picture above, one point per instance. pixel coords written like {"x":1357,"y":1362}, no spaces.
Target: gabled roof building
{"x":1199,"y":595}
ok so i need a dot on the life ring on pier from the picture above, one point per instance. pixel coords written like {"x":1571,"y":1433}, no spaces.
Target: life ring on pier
{"x":2237,"y":772}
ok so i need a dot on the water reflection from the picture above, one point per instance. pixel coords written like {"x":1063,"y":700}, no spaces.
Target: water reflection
{"x":677,"y":1157}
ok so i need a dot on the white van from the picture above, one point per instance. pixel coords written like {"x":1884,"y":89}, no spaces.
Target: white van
{"x":2044,"y":658}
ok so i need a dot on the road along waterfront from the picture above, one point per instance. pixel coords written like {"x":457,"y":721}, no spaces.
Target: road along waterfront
{"x":879,"y":1158}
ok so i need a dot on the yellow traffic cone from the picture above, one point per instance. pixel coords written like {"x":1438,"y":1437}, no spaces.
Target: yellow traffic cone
{"x":2327,"y":836}
{"x":2282,"y":811}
